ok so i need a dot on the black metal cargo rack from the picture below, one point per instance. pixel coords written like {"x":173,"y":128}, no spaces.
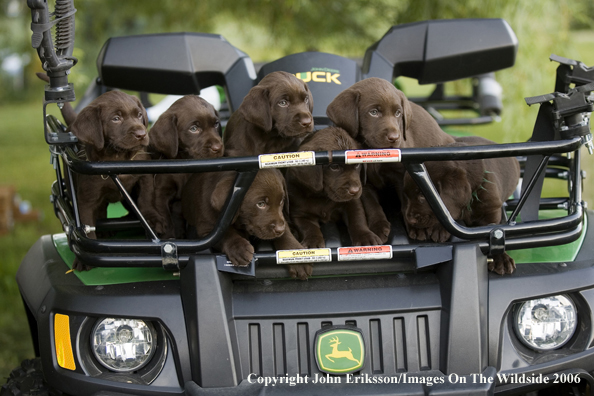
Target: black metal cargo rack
{"x":152,"y":252}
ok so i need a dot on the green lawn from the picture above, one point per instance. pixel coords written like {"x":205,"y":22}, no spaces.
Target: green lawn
{"x":24,"y":162}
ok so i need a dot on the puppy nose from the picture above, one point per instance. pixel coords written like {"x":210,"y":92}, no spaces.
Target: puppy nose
{"x":354,"y":190}
{"x":393,"y":137}
{"x":139,"y":134}
{"x":215,"y":147}
{"x":305,"y":121}
{"x":278,"y":227}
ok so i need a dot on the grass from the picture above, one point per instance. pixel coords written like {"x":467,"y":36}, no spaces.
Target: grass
{"x":24,"y":161}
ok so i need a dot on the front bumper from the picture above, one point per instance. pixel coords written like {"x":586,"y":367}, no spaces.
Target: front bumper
{"x":223,"y":330}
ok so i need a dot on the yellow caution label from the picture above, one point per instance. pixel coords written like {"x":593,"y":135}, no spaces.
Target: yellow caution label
{"x":303,"y":256}
{"x":286,"y":160}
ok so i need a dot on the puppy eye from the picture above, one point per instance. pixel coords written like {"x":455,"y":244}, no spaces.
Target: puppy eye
{"x":216,"y":124}
{"x":116,"y":119}
{"x":334,"y":167}
{"x":306,"y":100}
{"x":282,"y":202}
{"x":374,"y":112}
{"x":283,"y":103}
{"x":398,"y":113}
{"x":261,"y":204}
{"x":194,"y":129}
{"x":139,"y":115}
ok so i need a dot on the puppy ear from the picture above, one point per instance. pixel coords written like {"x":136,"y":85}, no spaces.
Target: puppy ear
{"x":311,"y":177}
{"x":164,"y":135}
{"x":220,"y":128}
{"x":144,"y":115}
{"x":87,"y":127}
{"x":343,"y":111}
{"x":309,"y":95}
{"x":455,"y":190}
{"x":407,"y":113}
{"x":221,"y":192}
{"x":363,"y":174}
{"x":255,"y":108}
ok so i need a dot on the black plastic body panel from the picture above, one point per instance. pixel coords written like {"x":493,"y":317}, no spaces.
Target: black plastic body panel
{"x":176,"y":63}
{"x":442,"y":50}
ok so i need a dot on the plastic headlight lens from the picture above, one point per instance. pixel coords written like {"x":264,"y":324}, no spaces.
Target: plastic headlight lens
{"x":546,"y":323}
{"x":123,"y":345}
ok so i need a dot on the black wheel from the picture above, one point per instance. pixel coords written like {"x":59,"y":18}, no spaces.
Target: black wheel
{"x":27,"y":380}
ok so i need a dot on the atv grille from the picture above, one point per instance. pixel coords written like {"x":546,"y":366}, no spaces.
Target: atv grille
{"x":394,"y":343}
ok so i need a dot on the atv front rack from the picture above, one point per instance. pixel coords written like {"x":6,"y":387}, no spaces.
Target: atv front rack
{"x":175,"y":254}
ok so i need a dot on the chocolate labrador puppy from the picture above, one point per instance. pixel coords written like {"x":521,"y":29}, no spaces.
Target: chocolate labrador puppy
{"x":328,"y":192}
{"x":378,"y":115}
{"x":112,"y":128}
{"x":189,"y":129}
{"x":473,"y":191}
{"x":274,"y":117}
{"x":260,"y":214}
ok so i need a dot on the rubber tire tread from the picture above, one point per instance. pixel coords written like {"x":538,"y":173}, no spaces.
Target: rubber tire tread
{"x":27,"y":380}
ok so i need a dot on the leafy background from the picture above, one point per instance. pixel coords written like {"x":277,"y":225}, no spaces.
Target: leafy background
{"x":266,"y":30}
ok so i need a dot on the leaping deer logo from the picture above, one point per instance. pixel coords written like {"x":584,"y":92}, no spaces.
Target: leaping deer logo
{"x":340,"y":354}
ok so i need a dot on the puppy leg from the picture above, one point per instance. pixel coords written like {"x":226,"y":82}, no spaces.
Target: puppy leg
{"x":502,"y":264}
{"x":376,"y":217}
{"x":310,"y":231}
{"x":288,"y":242}
{"x":153,"y":203}
{"x":238,"y":249}
{"x":359,"y":231}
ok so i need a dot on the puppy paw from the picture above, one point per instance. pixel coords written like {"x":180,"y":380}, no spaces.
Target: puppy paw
{"x":420,"y":234}
{"x":300,"y":271}
{"x":367,"y":239}
{"x":77,"y":265}
{"x":382,"y":230}
{"x":502,"y":264}
{"x":313,"y":242}
{"x":241,"y":253}
{"x":438,"y":234}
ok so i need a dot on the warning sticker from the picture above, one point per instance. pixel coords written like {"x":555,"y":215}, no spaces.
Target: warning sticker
{"x":380,"y":252}
{"x":303,"y":256}
{"x":285,"y":160}
{"x":368,"y":156}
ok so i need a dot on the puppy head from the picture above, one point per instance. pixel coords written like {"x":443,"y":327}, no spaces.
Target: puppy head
{"x":281,"y":102}
{"x":339,"y":182}
{"x":190,"y":128}
{"x":372,"y":111}
{"x":114,"y":120}
{"x":451,"y":184}
{"x":261,"y":212}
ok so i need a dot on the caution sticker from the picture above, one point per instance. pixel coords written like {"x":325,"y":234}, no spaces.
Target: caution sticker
{"x":286,"y":160}
{"x":303,"y":256}
{"x":380,"y":252}
{"x":372,"y":155}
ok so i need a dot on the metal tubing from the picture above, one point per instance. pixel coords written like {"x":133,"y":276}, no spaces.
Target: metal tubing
{"x":134,"y":208}
{"x":529,"y":188}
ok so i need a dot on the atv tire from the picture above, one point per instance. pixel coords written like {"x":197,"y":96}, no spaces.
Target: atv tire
{"x":27,"y":380}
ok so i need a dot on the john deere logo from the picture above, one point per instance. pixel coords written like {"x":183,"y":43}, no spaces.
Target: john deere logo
{"x":340,"y":350}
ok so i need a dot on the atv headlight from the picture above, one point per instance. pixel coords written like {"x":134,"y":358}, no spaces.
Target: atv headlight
{"x":546,"y":323}
{"x":123,"y":345}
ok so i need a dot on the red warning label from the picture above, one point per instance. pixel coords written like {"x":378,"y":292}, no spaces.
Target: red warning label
{"x":379,"y":252}
{"x":372,"y":155}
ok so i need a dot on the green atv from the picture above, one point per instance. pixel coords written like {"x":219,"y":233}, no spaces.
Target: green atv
{"x":170,"y":317}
